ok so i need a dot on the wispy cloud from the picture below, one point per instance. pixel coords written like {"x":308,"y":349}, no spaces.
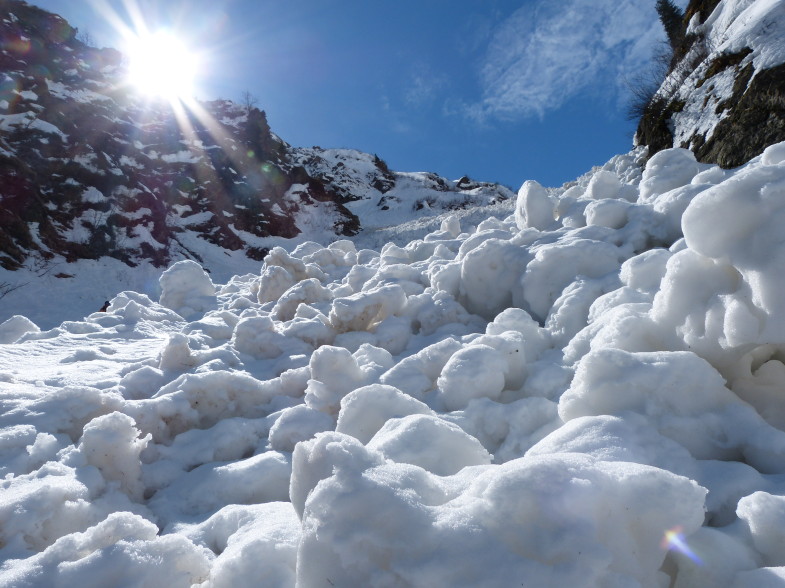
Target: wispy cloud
{"x":423,"y":87}
{"x":421,"y":90}
{"x":548,"y":52}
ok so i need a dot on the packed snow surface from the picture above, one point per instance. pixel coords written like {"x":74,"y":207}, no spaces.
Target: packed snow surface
{"x":589,"y":392}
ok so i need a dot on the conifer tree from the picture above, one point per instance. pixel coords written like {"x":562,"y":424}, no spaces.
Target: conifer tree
{"x":672,"y":18}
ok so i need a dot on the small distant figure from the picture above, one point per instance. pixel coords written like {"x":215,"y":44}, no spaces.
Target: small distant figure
{"x":104,"y":307}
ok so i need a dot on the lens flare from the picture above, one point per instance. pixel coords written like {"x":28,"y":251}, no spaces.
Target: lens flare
{"x":674,"y":540}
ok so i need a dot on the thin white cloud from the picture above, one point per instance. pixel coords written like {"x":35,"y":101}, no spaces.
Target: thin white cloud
{"x":424,"y":87}
{"x":548,"y":52}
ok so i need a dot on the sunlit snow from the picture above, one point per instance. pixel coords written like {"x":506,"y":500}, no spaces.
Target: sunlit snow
{"x":578,"y":387}
{"x":587,"y":392}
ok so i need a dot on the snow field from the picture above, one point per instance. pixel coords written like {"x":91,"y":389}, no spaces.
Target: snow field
{"x":588,"y":392}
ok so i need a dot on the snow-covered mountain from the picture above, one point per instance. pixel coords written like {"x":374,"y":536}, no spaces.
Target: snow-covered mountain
{"x":585,"y":389}
{"x":88,"y":169}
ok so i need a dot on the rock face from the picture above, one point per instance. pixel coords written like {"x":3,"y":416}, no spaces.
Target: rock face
{"x":724,"y":97}
{"x":89,"y":169}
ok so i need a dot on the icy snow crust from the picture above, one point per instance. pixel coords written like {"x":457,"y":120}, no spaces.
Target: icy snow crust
{"x":588,"y":392}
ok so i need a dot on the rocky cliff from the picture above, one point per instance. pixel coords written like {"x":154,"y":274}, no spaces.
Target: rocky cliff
{"x":724,"y":94}
{"x":89,"y":169}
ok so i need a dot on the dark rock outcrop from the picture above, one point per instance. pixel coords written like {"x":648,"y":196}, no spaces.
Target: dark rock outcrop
{"x":757,"y":119}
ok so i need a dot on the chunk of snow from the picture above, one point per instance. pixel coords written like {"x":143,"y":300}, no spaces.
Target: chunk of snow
{"x":187,"y":289}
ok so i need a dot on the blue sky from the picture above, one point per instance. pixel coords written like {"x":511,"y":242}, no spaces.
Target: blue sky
{"x":500,"y":90}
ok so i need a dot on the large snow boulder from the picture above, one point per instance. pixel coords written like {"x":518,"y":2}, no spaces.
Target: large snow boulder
{"x":534,"y":207}
{"x":14,"y":328}
{"x":667,"y":170}
{"x":434,"y":444}
{"x":369,"y":522}
{"x":187,"y":289}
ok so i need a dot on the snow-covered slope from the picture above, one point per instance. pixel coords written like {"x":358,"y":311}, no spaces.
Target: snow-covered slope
{"x":385,"y":199}
{"x":584,"y":393}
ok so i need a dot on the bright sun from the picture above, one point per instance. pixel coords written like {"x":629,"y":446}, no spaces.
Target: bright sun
{"x":161,"y":65}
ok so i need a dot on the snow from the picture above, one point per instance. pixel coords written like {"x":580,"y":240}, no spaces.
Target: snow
{"x":184,"y":156}
{"x":84,"y":95}
{"x":12,"y":329}
{"x":386,"y":200}
{"x":585,"y":392}
{"x":576,"y":386}
{"x":93,"y":195}
{"x":187,"y":289}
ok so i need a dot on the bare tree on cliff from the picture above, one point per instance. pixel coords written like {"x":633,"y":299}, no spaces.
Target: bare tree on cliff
{"x":249,"y":101}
